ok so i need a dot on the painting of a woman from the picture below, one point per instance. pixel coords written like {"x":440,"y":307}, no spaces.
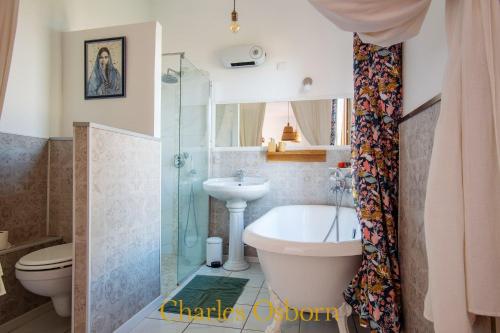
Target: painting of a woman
{"x":104,"y":76}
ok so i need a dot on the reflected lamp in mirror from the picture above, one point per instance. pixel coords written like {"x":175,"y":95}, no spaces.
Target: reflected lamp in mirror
{"x":288,"y":133}
{"x":324,"y":122}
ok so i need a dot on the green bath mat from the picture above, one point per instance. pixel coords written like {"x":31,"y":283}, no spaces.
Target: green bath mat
{"x":203,"y":291}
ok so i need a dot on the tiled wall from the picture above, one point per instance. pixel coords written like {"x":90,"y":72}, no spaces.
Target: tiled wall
{"x":81,"y":227}
{"x":61,"y":188}
{"x":23,"y":187}
{"x":30,"y":168}
{"x":416,"y":140}
{"x":291,"y":183}
{"x":18,"y":300}
{"x":117,"y":213}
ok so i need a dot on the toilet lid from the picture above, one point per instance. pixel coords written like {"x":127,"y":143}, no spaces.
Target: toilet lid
{"x":49,"y":256}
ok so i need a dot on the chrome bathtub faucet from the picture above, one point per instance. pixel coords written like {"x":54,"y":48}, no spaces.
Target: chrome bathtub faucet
{"x":240,"y":175}
{"x":339,"y":180}
{"x":339,"y":185}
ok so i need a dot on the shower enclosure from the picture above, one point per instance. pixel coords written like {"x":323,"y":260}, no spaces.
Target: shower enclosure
{"x":185,"y":156}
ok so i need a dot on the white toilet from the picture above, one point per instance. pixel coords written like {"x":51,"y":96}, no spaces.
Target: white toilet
{"x":47,"y":272}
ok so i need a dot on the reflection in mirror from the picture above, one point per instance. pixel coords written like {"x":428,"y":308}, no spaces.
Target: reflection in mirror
{"x":324,"y":122}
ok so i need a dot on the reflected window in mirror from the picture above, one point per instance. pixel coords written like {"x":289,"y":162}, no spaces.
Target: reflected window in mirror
{"x":325,"y":122}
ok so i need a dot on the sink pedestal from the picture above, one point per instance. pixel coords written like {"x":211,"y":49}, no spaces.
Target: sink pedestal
{"x":236,"y":258}
{"x":236,"y":192}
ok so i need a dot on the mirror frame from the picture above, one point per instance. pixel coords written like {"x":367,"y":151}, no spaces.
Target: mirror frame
{"x":264,"y":148}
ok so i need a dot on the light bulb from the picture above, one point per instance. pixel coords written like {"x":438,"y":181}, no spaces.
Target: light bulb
{"x":234,"y":27}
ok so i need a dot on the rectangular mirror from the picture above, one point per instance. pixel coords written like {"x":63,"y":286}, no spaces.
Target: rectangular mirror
{"x":322,"y":122}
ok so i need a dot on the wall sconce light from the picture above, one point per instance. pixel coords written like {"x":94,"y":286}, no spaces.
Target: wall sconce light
{"x":307,"y":84}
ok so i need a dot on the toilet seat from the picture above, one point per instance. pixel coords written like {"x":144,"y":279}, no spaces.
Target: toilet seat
{"x":54,"y":257}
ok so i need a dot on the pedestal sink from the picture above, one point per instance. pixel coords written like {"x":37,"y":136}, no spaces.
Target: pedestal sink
{"x":236,"y":193}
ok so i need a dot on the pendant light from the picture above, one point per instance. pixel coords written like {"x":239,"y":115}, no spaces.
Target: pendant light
{"x":288,"y":132}
{"x":298,"y":137}
{"x":235,"y":26}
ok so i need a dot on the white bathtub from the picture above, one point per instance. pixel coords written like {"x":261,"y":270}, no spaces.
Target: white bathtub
{"x":299,"y":267}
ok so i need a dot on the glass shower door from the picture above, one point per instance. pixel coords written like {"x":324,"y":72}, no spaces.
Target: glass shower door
{"x":184,"y":226}
{"x":193,"y":210}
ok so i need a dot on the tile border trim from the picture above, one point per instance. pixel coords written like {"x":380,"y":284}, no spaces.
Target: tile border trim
{"x":26,"y":245}
{"x":425,"y":106}
{"x":116,"y":130}
{"x":61,"y":138}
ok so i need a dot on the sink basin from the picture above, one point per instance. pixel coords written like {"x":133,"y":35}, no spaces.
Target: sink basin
{"x":236,"y":194}
{"x":229,"y":189}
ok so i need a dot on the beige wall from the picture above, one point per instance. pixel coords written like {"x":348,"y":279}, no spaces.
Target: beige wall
{"x":34,"y":87}
{"x":292,"y":32}
{"x":424,"y":58}
{"x":90,"y":14}
{"x":140,"y":107}
{"x":33,"y":102}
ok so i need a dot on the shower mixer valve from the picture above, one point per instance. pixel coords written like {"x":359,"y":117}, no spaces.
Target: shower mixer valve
{"x":180,"y":159}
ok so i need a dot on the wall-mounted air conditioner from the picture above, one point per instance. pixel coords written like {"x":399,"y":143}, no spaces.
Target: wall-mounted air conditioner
{"x":243,"y":56}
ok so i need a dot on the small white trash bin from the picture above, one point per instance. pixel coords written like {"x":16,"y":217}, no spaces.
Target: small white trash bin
{"x":214,"y":251}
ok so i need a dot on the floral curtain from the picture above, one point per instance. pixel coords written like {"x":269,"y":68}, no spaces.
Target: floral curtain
{"x":374,"y":293}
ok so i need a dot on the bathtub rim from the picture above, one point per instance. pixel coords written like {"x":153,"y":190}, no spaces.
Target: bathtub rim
{"x":310,"y":249}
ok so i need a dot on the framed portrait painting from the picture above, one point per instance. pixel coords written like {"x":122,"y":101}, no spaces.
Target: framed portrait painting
{"x":104,"y":68}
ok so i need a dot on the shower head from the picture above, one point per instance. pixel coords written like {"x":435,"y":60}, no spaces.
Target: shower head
{"x":171,"y":77}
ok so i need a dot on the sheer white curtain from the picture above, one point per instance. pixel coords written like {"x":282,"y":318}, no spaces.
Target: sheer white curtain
{"x":251,"y":122}
{"x":226,"y":125}
{"x":380,"y":22}
{"x":462,"y":214}
{"x":315,"y":120}
{"x":8,"y":23}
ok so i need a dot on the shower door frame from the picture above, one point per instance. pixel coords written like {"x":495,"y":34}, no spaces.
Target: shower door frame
{"x":179,"y":150}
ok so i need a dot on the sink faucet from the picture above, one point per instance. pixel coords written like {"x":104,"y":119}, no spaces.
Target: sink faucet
{"x":240,"y":175}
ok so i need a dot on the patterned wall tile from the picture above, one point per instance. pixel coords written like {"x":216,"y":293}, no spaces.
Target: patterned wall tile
{"x":416,"y":140}
{"x":61,"y":189}
{"x":23,"y":187}
{"x":80,"y":232}
{"x":291,"y":184}
{"x":124,"y":191}
{"x":18,"y":300}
